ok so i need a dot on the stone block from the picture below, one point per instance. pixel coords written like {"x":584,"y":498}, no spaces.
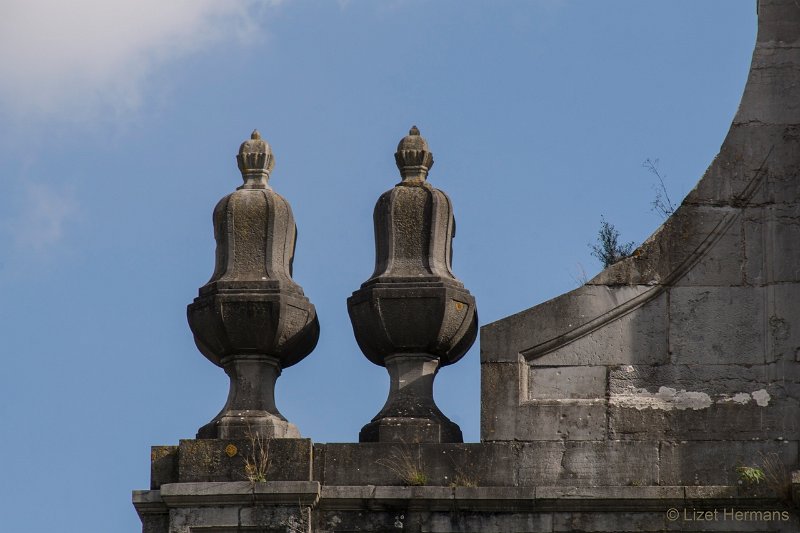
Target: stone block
{"x":224,"y":460}
{"x":357,"y":464}
{"x":502,"y":388}
{"x":778,"y":24}
{"x":378,"y":518}
{"x":717,"y":325}
{"x":543,"y":420}
{"x":715,"y":462}
{"x":152,"y":511}
{"x":573,"y":382}
{"x":609,"y":522}
{"x":155,"y":523}
{"x":766,"y":101}
{"x":784,"y":261}
{"x":539,"y":464}
{"x":235,"y":519}
{"x":720,"y":421}
{"x":784,"y":324}
{"x":488,"y":464}
{"x":470,"y":522}
{"x":717,"y":381}
{"x":163,"y":465}
{"x":504,"y":340}
{"x":636,"y":337}
{"x":589,"y":464}
{"x":495,"y":499}
{"x":722,"y":262}
{"x":610,"y":463}
{"x":736,"y":178}
{"x":771,"y":234}
{"x":632,"y":497}
{"x":240,"y":493}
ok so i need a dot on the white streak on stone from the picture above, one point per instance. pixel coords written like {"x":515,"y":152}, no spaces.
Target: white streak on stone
{"x":668,"y":398}
{"x":665,"y":399}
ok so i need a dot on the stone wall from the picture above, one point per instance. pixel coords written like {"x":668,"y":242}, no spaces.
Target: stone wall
{"x":688,"y":351}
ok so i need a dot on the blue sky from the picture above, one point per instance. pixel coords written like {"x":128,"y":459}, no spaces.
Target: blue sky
{"x":119,"y":123}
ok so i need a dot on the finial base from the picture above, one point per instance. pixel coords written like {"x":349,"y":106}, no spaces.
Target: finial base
{"x":250,"y":409}
{"x":247,"y":424}
{"x":411,"y":431}
{"x":410,"y":414}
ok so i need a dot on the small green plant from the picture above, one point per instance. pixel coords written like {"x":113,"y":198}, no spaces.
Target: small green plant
{"x":750,"y":475}
{"x":401,"y":462}
{"x":257,"y":461}
{"x":608,"y":248}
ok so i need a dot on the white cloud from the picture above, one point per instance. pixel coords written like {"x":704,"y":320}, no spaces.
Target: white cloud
{"x":76,"y":57}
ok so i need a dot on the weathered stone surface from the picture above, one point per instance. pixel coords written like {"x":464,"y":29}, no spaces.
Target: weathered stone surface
{"x":715,"y":463}
{"x":471,"y":522}
{"x":562,"y":419}
{"x":568,"y":382}
{"x":619,"y":337}
{"x":589,"y":464}
{"x":251,"y":318}
{"x":152,"y":511}
{"x":241,"y":492}
{"x":718,"y":381}
{"x":504,"y":340}
{"x":216,"y":460}
{"x":770,"y":235}
{"x":163,"y":465}
{"x":717,"y":325}
{"x":413,"y":316}
{"x":715,"y":423}
{"x":503,"y":388}
{"x":442,"y":464}
{"x":610,"y":522}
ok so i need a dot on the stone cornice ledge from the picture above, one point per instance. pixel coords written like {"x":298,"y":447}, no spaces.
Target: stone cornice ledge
{"x":539,"y":499}
{"x":486,"y":499}
{"x":240,"y":492}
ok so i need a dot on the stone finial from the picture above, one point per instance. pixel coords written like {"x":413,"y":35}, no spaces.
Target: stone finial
{"x":255,"y":161}
{"x":413,"y":316}
{"x":251,"y":318}
{"x":413,"y":157}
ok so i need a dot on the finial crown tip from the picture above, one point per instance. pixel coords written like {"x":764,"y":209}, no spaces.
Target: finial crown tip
{"x":255,"y":135}
{"x":414,"y":130}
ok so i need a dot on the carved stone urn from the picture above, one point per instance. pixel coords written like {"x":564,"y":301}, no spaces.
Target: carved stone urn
{"x":413,"y":316}
{"x":251,"y":318}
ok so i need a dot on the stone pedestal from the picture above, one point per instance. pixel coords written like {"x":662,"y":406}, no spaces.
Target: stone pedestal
{"x":410,"y":414}
{"x":251,"y":401}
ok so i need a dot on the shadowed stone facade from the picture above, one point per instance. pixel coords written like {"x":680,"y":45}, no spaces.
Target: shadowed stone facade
{"x":625,"y":405}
